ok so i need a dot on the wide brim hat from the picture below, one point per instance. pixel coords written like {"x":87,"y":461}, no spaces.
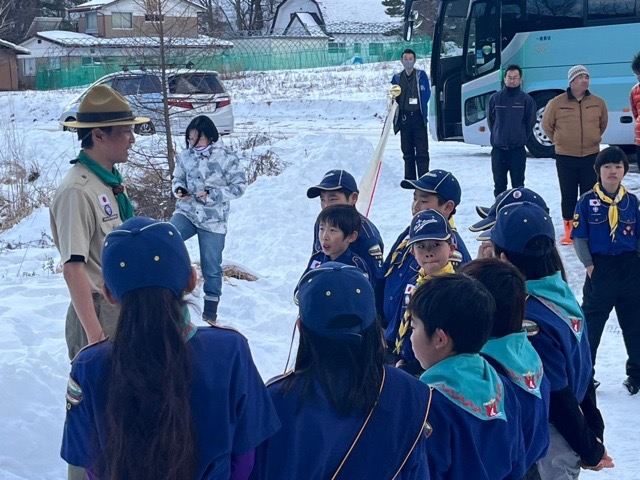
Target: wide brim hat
{"x":104,"y":107}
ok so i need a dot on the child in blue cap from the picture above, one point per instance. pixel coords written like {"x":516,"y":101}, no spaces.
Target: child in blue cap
{"x":607,"y":241}
{"x":338,"y":187}
{"x":510,"y":352}
{"x":162,"y":399}
{"x":431,"y":244}
{"x":475,"y":415}
{"x":339,"y":405}
{"x":524,"y":236}
{"x":339,"y":226}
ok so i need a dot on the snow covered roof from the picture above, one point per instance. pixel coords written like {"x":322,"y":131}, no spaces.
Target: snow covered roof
{"x":303,"y":23}
{"x":98,"y":4}
{"x":360,"y":11}
{"x":74,"y":39}
{"x":14,"y":47}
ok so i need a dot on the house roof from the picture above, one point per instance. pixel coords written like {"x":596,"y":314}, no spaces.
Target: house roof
{"x":306,"y":24}
{"x":42,"y":24}
{"x":74,"y":39}
{"x":98,"y":4}
{"x":360,"y":11}
{"x":14,"y":47}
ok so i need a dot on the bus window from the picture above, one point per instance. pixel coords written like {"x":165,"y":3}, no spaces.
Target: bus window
{"x":555,"y":14}
{"x":452,"y":37}
{"x":482,"y":42}
{"x":606,"y":9}
{"x":512,"y":19}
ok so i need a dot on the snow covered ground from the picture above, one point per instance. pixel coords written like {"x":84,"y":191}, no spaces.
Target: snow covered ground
{"x":318,"y":120}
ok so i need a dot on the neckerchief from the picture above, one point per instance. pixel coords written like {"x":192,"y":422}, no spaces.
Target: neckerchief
{"x":555,"y":294}
{"x":405,"y":321}
{"x":613,"y":206}
{"x":111,"y":178}
{"x":401,"y":249}
{"x":470,"y":382}
{"x":519,"y":359}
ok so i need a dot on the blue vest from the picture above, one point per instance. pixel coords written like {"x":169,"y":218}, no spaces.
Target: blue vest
{"x":231,"y":409}
{"x":591,"y":221}
{"x":368,"y":246}
{"x":567,"y":361}
{"x":464,"y":447}
{"x":315,"y":439}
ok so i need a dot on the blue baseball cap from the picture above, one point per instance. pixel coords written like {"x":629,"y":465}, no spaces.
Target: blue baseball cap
{"x":143,"y":252}
{"x":508,"y":197}
{"x":429,"y":225}
{"x":439,"y":182}
{"x":331,"y":296}
{"x":334,"y":180}
{"x":518,"y":223}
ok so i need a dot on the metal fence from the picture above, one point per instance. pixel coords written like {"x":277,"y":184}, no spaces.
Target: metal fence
{"x":252,"y":51}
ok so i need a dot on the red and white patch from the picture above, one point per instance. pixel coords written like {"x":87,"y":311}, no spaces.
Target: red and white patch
{"x":530,"y":381}
{"x":576,"y":324}
{"x":491,"y":408}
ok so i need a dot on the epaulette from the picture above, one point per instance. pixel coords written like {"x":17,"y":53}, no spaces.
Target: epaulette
{"x":530,"y":327}
{"x":87,"y":347}
{"x":279,"y":378}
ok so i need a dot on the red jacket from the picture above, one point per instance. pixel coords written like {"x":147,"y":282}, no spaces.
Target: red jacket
{"x":634,"y":99}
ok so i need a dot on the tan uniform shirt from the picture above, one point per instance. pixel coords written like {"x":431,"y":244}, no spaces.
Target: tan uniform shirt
{"x":83,"y":211}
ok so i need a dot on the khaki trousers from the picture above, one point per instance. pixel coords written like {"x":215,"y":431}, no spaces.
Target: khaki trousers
{"x":108,"y":315}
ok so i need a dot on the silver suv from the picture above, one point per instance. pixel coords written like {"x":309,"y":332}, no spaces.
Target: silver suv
{"x":191,"y":93}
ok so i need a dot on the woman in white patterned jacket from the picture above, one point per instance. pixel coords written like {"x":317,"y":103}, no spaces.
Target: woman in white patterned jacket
{"x":206,"y":178}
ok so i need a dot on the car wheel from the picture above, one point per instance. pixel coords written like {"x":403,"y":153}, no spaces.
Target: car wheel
{"x":69,"y":129}
{"x":539,"y":145}
{"x":145,"y":129}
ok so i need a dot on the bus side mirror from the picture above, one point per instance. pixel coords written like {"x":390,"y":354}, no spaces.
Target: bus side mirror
{"x":409,"y":20}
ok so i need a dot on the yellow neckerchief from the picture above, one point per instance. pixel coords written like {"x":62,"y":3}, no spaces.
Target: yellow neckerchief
{"x":400,"y":249}
{"x":613,"y":206}
{"x":405,"y":321}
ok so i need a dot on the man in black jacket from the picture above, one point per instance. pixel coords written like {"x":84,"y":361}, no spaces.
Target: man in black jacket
{"x":511,"y":117}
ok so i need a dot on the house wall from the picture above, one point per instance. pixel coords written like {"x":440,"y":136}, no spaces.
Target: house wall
{"x":289,"y":7}
{"x":8,"y":70}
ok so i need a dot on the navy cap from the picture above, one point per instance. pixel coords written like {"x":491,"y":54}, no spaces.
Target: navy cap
{"x":517,"y":224}
{"x":143,"y":252}
{"x":508,"y":197}
{"x":334,"y":180}
{"x":429,"y":225}
{"x":331,"y":292}
{"x":439,"y":182}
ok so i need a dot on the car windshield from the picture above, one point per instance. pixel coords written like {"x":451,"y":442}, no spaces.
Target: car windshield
{"x":190,"y":83}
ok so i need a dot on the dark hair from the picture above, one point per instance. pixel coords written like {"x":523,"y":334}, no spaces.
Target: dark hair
{"x":507,"y":286}
{"x":204,"y":126}
{"x":344,"y":217}
{"x":611,"y":155}
{"x":148,"y":411}
{"x":635,"y":63}
{"x":458,"y":305}
{"x":513,"y":66}
{"x":408,"y":51}
{"x":86,"y":138}
{"x":349,"y":371}
{"x":535,"y":268}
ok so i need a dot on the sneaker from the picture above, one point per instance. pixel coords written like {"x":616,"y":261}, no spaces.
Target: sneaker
{"x":210,"y":312}
{"x":632,"y":384}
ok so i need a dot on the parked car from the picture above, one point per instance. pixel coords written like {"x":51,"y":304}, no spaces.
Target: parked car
{"x":191,"y":93}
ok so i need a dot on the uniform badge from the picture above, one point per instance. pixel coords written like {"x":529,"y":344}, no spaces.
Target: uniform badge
{"x":595,"y":202}
{"x":491,"y":408}
{"x":530,"y":380}
{"x":107,"y":208}
{"x":315,"y":264}
{"x":407,"y":293}
{"x":576,"y":324}
{"x":595,"y":209}
{"x":74,"y":394}
{"x":427,"y":429}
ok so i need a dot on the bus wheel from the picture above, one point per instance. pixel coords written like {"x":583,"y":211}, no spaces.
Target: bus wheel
{"x":539,"y":145}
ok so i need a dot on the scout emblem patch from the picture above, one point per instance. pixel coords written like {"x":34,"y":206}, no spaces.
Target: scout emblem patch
{"x":530,"y":380}
{"x":491,"y":408}
{"x":74,"y":394}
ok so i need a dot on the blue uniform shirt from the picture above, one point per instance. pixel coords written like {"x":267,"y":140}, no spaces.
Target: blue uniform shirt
{"x":591,"y":221}
{"x":349,"y":257}
{"x":368,"y":246}
{"x":315,"y":438}
{"x":232,"y":411}
{"x":566,"y":360}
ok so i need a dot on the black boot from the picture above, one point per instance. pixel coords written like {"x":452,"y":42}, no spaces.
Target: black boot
{"x":210,"y":312}
{"x":632,"y":384}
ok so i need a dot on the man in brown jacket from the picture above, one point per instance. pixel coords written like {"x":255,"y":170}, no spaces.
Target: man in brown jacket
{"x":575,"y":121}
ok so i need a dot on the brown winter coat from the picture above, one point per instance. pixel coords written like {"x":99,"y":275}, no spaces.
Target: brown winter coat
{"x":575,"y":127}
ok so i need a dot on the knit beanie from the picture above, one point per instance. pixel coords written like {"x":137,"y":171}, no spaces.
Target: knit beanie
{"x":575,"y":71}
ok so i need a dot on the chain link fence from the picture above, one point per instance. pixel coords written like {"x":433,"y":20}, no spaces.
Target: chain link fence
{"x":333,"y":45}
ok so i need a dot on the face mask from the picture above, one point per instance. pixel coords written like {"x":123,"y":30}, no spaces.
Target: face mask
{"x":408,"y":64}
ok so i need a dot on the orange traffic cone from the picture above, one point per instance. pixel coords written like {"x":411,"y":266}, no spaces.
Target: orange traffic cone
{"x":568,"y":227}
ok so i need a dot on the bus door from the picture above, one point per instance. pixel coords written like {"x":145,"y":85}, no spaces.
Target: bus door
{"x":447,"y":64}
{"x":481,"y":77}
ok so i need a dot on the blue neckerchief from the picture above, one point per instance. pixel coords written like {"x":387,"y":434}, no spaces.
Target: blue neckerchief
{"x":471,"y":383}
{"x":555,"y":294}
{"x":519,"y":359}
{"x":188,"y":328}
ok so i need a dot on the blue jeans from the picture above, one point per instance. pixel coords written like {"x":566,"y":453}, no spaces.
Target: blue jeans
{"x":211,"y":246}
